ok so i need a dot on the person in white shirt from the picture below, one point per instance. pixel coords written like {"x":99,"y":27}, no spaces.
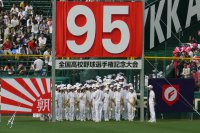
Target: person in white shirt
{"x":42,"y":41}
{"x":117,"y":100}
{"x":14,"y":10}
{"x":98,"y":97}
{"x":29,"y":21}
{"x":72,"y":98}
{"x":14,"y":21}
{"x":47,"y":54}
{"x":48,"y":60}
{"x":106,"y":104}
{"x":38,"y":65}
{"x":112,"y":108}
{"x":59,"y":104}
{"x":66,"y":102}
{"x":35,"y":28}
{"x":82,"y":103}
{"x":77,"y":109}
{"x":88,"y":103}
{"x":49,"y":23}
{"x":151,"y":100}
{"x":56,"y":97}
{"x":124,"y":94}
{"x":62,"y":116}
{"x":186,"y":71}
{"x":29,"y":10}
{"x":131,"y":103}
{"x":93,"y":102}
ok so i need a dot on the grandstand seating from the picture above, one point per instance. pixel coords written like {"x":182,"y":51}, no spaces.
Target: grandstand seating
{"x":44,"y":5}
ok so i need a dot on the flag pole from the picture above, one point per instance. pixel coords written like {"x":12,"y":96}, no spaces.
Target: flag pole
{"x":53,"y":75}
{"x":142,"y":72}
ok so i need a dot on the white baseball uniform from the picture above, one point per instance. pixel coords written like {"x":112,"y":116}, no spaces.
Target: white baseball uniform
{"x":117,"y":98}
{"x":98,"y":104}
{"x":82,"y":103}
{"x":106,"y":104}
{"x":131,"y":98}
{"x":152,"y":106}
{"x":71,"y":97}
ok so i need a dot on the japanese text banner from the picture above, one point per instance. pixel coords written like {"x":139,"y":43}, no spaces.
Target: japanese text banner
{"x":25,"y":95}
{"x":99,"y":29}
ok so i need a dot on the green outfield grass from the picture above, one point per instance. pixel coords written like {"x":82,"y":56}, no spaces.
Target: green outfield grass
{"x":30,"y":125}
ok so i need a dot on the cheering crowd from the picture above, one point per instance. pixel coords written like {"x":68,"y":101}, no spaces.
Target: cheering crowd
{"x":101,"y":99}
{"x":188,"y":68}
{"x":24,"y":31}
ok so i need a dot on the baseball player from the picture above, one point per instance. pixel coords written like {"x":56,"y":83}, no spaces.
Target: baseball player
{"x":88,"y":102}
{"x":151,"y":104}
{"x":93,"y":102}
{"x":98,"y":97}
{"x":71,"y":97}
{"x":82,"y":103}
{"x":106,"y":104}
{"x":117,"y":101}
{"x":131,"y":103}
{"x":59,"y":104}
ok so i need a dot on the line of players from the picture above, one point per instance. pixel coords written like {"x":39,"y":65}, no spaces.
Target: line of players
{"x":97,"y":100}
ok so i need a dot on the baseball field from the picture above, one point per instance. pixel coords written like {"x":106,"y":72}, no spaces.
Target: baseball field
{"x":24,"y":124}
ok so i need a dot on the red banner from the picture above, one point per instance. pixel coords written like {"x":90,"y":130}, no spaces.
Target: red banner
{"x":99,"y":29}
{"x":25,"y":96}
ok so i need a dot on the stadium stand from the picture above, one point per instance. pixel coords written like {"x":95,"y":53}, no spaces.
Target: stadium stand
{"x":25,"y":30}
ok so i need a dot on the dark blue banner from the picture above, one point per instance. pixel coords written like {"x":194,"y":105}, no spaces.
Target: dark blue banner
{"x":173,"y":95}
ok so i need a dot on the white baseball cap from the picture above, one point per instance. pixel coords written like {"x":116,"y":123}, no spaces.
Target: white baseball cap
{"x":150,"y":86}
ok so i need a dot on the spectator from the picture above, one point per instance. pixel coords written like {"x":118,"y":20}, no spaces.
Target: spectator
{"x":39,"y":15}
{"x":32,"y":47}
{"x":35,"y":28}
{"x":21,"y":70}
{"x":38,"y":65}
{"x":1,"y":51}
{"x":14,"y":21}
{"x":193,"y":67}
{"x":49,"y":23}
{"x":29,"y":24}
{"x":22,"y":50}
{"x":22,"y":16}
{"x":29,"y":10}
{"x":14,"y":10}
{"x":42,"y":42}
{"x":186,"y":71}
{"x":1,"y":27}
{"x":22,"y":5}
{"x":1,"y":5}
{"x":7,"y":47}
{"x":10,"y":69}
{"x":47,"y":58}
{"x":6,"y":19}
{"x":43,"y":27}
{"x":7,"y":32}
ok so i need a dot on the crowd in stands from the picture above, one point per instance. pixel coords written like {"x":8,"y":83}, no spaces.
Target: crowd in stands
{"x":25,"y":31}
{"x":187,"y":68}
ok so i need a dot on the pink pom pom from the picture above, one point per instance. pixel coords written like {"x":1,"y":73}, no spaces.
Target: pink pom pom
{"x":196,"y":61}
{"x":188,"y":49}
{"x":177,"y":49}
{"x":174,"y":52}
{"x":195,"y":45}
{"x":199,"y":33}
{"x":195,"y":57}
{"x":183,"y":49}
